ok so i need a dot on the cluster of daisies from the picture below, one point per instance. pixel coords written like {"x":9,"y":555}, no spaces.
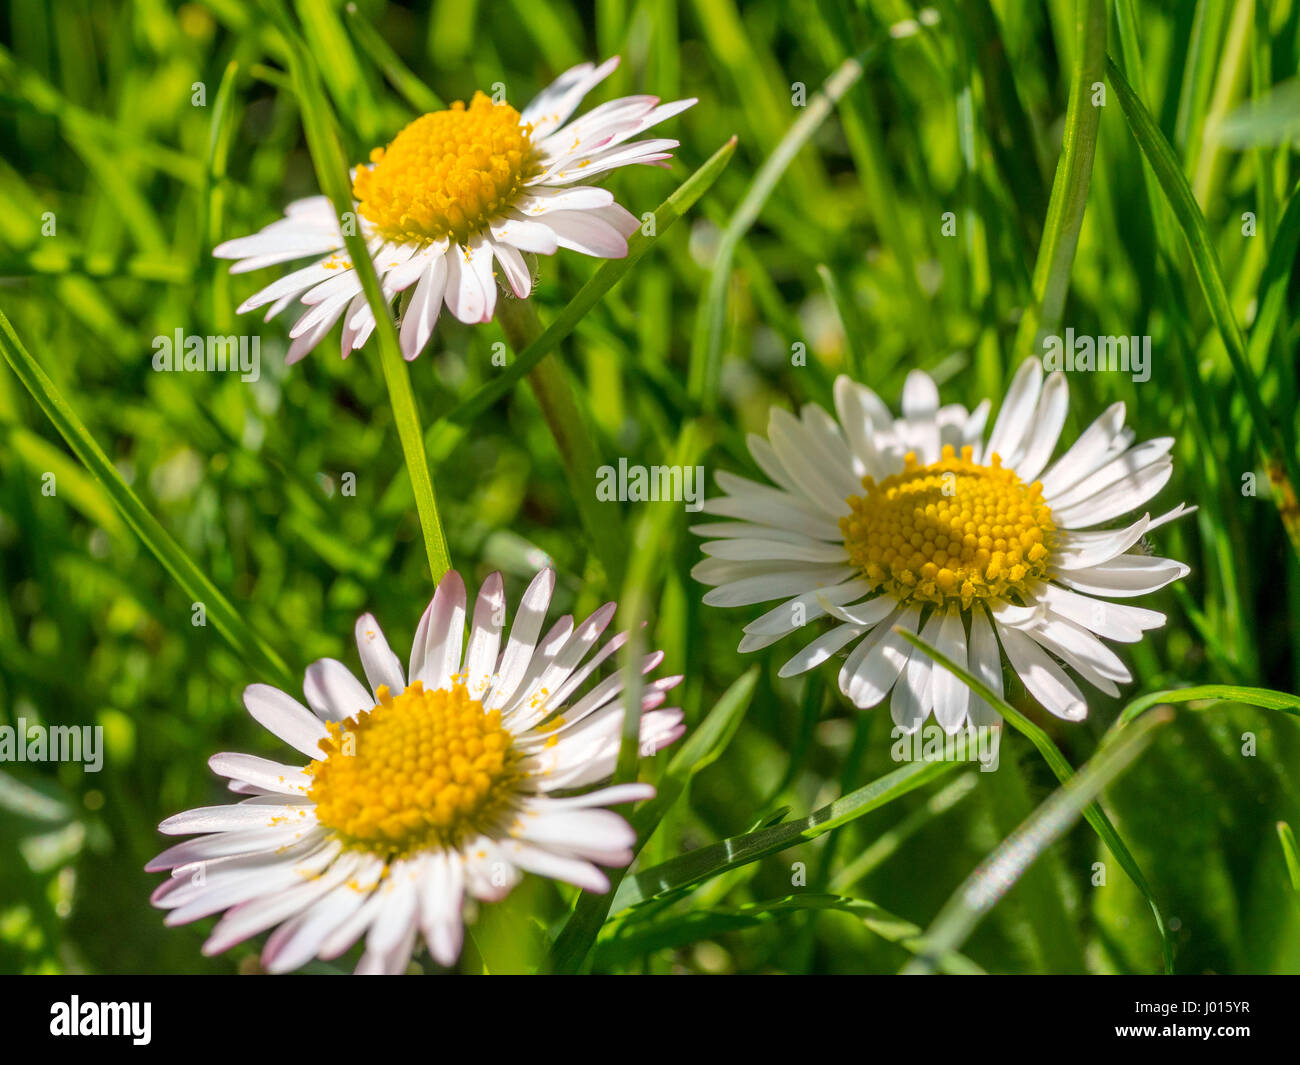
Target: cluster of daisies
{"x":490,"y":755}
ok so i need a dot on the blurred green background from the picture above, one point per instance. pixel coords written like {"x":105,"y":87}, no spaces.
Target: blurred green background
{"x":961,"y":109}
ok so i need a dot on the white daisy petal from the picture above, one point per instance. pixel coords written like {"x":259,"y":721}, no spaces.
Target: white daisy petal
{"x":333,"y":692}
{"x":584,"y":232}
{"x":872,"y":669}
{"x":1119,"y":498}
{"x":285,"y":717}
{"x":554,"y":104}
{"x":516,"y":271}
{"x":1049,"y":420}
{"x":485,"y":635}
{"x":985,"y":661}
{"x":919,"y":427}
{"x":1043,"y":678}
{"x":1017,"y":413}
{"x":266,"y":774}
{"x":380,"y":665}
{"x":911,"y":701}
{"x":1086,"y":454}
{"x":1115,"y":621}
{"x":519,"y":232}
{"x":444,"y":636}
{"x":949,"y":695}
{"x":523,"y":638}
{"x":422,"y":311}
{"x":1125,"y":576}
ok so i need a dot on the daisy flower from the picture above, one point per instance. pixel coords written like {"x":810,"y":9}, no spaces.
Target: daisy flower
{"x":918,"y":523}
{"x":418,"y":794}
{"x":455,"y":191}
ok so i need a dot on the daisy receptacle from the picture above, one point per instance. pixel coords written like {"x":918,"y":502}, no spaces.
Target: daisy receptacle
{"x":984,"y":548}
{"x":423,"y":788}
{"x":454,"y":203}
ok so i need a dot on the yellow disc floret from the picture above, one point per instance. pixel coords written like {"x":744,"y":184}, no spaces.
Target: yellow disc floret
{"x":448,"y":173}
{"x":423,"y":770}
{"x":952,"y":530}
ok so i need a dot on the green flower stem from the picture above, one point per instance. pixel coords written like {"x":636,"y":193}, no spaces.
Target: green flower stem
{"x":550,"y":384}
{"x":397,"y":377}
{"x":331,"y":172}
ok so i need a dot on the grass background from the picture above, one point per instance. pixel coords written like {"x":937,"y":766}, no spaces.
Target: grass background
{"x":843,"y":252}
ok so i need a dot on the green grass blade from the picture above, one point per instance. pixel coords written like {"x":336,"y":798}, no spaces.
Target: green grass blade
{"x":994,"y":877}
{"x":572,"y":434}
{"x":1264,"y":698}
{"x":1069,"y":199}
{"x":1291,"y":855}
{"x":1059,"y":765}
{"x":706,"y":346}
{"x":705,"y":743}
{"x":681,"y":930}
{"x":1282,"y":465}
{"x":255,"y":651}
{"x":331,"y":172}
{"x":706,"y":862}
{"x":701,"y":748}
{"x":414,"y":91}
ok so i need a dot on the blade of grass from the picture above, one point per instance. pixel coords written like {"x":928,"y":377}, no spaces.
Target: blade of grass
{"x":255,"y":651}
{"x":1291,"y":855}
{"x":1265,"y":698}
{"x":1059,"y":765}
{"x":573,"y":437}
{"x":996,"y":875}
{"x":681,"y":930}
{"x":331,"y":172}
{"x":1280,"y":461}
{"x":710,"y":322}
{"x":414,"y":91}
{"x":212,"y":192}
{"x":649,"y":543}
{"x":1069,"y":197}
{"x":704,"y":863}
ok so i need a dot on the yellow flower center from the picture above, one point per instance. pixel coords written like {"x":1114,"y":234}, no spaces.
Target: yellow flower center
{"x":950,"y":530}
{"x":448,"y":173}
{"x":424,"y":770}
